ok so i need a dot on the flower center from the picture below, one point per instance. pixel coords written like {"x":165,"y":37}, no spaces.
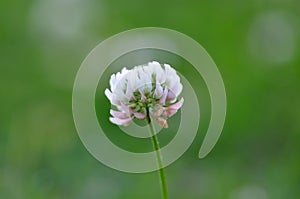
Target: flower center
{"x":143,"y":101}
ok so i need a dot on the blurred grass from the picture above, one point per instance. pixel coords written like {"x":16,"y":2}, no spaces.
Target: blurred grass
{"x":42,"y":45}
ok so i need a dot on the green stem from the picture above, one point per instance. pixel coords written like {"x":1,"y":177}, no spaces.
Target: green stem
{"x":158,"y":157}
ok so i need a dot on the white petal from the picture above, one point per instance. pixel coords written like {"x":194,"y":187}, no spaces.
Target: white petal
{"x":108,"y":94}
{"x":163,"y":98}
{"x":158,"y":92}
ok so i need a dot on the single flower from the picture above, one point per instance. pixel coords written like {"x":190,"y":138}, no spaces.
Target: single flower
{"x":152,"y":88}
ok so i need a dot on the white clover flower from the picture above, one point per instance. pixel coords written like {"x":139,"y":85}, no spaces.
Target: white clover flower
{"x":143,"y":91}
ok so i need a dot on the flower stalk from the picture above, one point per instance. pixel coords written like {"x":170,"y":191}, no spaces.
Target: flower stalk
{"x":159,"y":158}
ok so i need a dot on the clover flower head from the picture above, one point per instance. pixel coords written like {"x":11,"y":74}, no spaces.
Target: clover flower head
{"x":146,"y":90}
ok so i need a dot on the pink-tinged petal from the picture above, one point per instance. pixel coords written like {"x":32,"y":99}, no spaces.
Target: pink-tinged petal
{"x":117,"y":121}
{"x":140,"y":116}
{"x":162,"y":122}
{"x":118,"y":114}
{"x":171,"y":110}
{"x":163,"y":98}
{"x":108,"y":94}
{"x":177,"y":105}
{"x":169,"y":113}
{"x":124,"y":108}
{"x":158,"y":113}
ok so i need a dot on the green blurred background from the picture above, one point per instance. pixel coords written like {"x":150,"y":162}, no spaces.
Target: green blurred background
{"x":255,"y":45}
